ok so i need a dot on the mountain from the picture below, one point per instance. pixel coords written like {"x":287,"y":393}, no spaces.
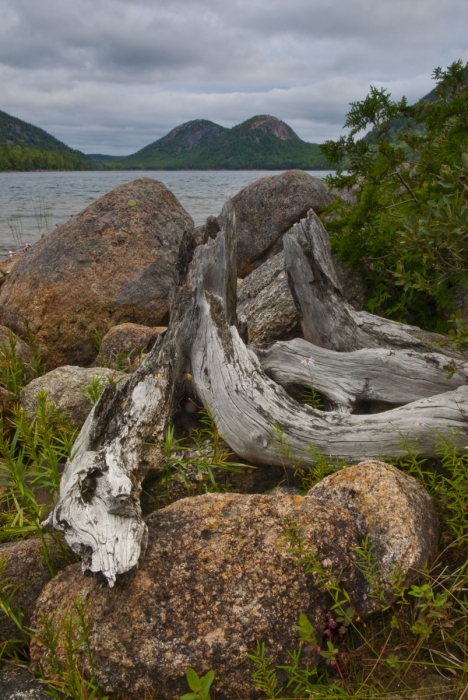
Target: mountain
{"x":260,"y":143}
{"x":27,"y":147}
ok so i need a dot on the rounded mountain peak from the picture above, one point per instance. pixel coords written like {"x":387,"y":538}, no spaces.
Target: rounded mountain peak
{"x":192,"y":134}
{"x":273,"y":126}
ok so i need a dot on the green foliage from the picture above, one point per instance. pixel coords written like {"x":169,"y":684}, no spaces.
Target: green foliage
{"x":425,"y":629}
{"x":447,"y":482}
{"x":368,"y":564}
{"x":458,"y":333}
{"x":307,"y":476}
{"x":120,"y":361}
{"x":26,"y":147}
{"x":31,"y":457}
{"x":95,"y":388}
{"x":200,"y":687}
{"x":97,"y":335}
{"x":14,"y":373}
{"x":194,"y":462}
{"x":421,"y":628}
{"x":306,"y":630}
{"x":301,"y":681}
{"x":24,"y":158}
{"x":13,"y":648}
{"x":63,"y":641}
{"x":311,"y":397}
{"x":265,"y":677}
{"x":407,"y":233}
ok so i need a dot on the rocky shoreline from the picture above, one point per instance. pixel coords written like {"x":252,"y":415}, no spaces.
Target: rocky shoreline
{"x":107,"y":297}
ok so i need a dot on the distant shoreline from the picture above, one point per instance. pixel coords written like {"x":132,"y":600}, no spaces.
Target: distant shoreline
{"x":171,"y":170}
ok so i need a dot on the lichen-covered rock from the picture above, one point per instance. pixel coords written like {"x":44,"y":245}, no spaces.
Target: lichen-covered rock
{"x":217,"y":576}
{"x":27,"y":571}
{"x":265,"y":305}
{"x":267,"y":208}
{"x":112,"y":263}
{"x":393,"y":509}
{"x":66,"y":387}
{"x":126,"y":341}
{"x":17,"y":683}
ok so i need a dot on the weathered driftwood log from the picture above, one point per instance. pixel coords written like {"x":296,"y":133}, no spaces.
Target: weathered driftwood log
{"x":99,"y":506}
{"x":327,"y":319}
{"x":354,"y":381}
{"x":98,"y":509}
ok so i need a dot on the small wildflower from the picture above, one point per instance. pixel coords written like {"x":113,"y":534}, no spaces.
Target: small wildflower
{"x":308,"y":361}
{"x":421,"y":423}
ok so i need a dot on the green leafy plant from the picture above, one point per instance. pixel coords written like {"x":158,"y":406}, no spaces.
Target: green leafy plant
{"x":64,"y":640}
{"x":447,"y":482}
{"x":200,"y":687}
{"x":9,"y":609}
{"x":300,"y":680}
{"x":368,"y":564}
{"x":306,"y":630}
{"x":307,"y":476}
{"x":195,"y":461}
{"x":31,"y":458}
{"x":95,"y":388}
{"x":407,"y":231}
{"x":98,"y":343}
{"x":120,"y":361}
{"x":311,"y":397}
{"x":265,"y":677}
{"x":425,"y":629}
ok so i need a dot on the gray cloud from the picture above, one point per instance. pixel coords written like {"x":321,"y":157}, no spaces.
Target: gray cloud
{"x":114,"y":75}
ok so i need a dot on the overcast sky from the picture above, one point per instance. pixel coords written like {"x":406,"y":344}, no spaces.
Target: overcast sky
{"x":111,"y":76}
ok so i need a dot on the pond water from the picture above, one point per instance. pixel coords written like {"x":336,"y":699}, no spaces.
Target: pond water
{"x":33,"y":204}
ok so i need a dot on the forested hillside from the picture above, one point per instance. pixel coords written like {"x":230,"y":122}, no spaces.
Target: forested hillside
{"x":27,"y":147}
{"x":260,"y":143}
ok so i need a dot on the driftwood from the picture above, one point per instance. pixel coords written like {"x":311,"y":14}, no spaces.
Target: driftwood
{"x":327,"y":320}
{"x":363,"y":379}
{"x":98,"y":509}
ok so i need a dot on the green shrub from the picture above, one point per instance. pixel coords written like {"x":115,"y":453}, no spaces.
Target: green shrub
{"x":407,"y":233}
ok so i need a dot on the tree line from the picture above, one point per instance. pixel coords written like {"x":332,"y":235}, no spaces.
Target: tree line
{"x":25,"y":158}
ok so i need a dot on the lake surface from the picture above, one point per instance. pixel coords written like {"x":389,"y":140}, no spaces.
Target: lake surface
{"x":33,"y":204}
